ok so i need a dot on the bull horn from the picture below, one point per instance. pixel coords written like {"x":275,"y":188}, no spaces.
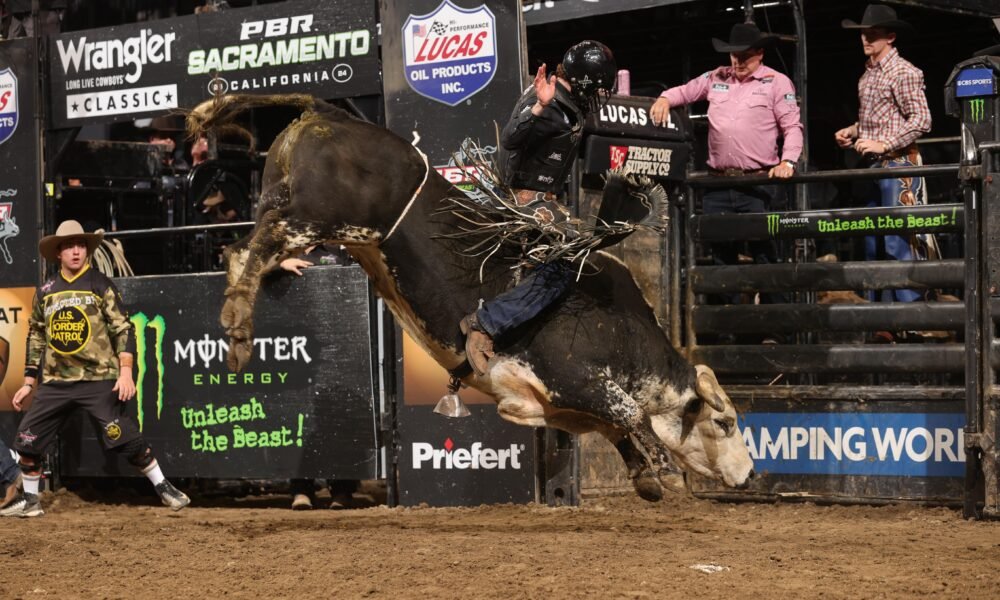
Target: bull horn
{"x":709,"y":389}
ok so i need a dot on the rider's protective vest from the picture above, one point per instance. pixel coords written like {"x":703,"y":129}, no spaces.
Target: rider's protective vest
{"x":537,"y":153}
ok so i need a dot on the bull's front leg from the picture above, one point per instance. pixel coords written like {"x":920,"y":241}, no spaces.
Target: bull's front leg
{"x":644,"y":478}
{"x":623,"y":411}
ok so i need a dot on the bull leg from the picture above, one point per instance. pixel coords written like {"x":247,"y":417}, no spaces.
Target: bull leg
{"x":235,"y":256}
{"x":621,"y":410}
{"x":643,"y":477}
{"x":271,"y":238}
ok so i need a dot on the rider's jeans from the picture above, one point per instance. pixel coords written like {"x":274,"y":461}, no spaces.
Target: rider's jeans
{"x":543,"y":286}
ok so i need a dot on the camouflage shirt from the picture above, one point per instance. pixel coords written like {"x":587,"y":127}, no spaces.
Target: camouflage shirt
{"x":81,"y":326}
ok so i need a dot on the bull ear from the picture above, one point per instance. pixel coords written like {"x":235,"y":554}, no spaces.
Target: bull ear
{"x":709,"y":389}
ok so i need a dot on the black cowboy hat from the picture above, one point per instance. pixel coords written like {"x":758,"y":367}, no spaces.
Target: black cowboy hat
{"x":744,"y":36}
{"x":878,"y":15}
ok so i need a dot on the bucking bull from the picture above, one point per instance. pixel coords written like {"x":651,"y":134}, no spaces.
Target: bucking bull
{"x":594,"y":361}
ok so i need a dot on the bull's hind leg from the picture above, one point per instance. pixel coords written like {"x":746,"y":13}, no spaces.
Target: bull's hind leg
{"x":274,"y":236}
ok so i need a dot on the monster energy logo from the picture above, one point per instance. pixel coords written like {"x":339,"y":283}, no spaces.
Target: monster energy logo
{"x":159,"y":327}
{"x":977,"y":110}
{"x":772,"y":224}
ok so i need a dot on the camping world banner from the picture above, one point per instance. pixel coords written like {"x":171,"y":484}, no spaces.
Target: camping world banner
{"x":450,"y":54}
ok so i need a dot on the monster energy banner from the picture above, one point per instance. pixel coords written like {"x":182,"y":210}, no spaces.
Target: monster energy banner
{"x":19,"y":157}
{"x":329,"y":50}
{"x":303,"y":407}
{"x":900,"y":220}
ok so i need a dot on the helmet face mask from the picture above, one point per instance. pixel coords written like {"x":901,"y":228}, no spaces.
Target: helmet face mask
{"x":591,"y":70}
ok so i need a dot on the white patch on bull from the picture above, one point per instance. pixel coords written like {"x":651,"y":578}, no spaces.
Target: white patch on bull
{"x":524,"y":400}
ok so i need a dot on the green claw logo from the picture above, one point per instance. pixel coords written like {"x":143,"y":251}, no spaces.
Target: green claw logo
{"x":159,"y":327}
{"x":977,"y":110}
{"x":772,"y":224}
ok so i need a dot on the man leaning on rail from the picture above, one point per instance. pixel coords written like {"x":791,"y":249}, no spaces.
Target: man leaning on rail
{"x":892,"y":114}
{"x":750,"y":106}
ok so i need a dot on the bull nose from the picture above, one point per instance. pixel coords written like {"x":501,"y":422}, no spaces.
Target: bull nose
{"x":746,"y":482}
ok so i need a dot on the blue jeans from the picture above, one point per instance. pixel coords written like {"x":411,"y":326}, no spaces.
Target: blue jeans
{"x":901,"y":191}
{"x":544,"y":285}
{"x":8,"y":467}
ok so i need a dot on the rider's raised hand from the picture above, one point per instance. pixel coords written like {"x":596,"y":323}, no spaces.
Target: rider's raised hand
{"x":545,"y":90}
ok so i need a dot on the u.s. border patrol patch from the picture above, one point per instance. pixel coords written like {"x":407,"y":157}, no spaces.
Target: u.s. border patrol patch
{"x":69,"y":330}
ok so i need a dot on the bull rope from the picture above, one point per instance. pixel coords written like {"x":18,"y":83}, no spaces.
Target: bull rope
{"x":427,"y":172}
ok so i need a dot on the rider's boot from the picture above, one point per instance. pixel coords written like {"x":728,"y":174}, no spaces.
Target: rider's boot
{"x":478,"y":344}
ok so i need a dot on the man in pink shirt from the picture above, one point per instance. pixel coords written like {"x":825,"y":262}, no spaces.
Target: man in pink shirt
{"x":750,"y":106}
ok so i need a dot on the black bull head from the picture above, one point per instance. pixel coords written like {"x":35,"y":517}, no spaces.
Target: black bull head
{"x":595,"y":361}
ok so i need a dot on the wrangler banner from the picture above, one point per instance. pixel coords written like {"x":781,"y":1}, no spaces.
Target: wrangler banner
{"x":303,"y":407}
{"x":19,"y":157}
{"x":118,"y":73}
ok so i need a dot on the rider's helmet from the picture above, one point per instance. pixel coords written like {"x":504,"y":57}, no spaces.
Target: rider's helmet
{"x":591,"y":69}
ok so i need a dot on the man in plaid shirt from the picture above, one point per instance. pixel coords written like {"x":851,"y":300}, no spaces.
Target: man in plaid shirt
{"x":892,"y":114}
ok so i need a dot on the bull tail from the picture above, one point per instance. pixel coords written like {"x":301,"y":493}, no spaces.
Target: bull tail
{"x":218,"y":114}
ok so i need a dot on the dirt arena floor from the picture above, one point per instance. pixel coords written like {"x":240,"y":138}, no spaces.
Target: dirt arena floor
{"x":616,"y":547}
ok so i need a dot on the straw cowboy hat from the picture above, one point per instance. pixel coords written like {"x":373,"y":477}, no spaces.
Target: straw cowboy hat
{"x":48,"y":247}
{"x":878,"y":15}
{"x":744,"y":36}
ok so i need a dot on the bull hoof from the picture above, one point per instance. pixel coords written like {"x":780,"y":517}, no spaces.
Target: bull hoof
{"x":236,"y":311}
{"x":648,"y":487}
{"x":673,"y":481}
{"x":239,"y":354}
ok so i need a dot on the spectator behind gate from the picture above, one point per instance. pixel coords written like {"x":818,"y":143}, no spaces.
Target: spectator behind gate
{"x":50,"y":16}
{"x":892,"y":114}
{"x":303,"y":491}
{"x":750,"y":106}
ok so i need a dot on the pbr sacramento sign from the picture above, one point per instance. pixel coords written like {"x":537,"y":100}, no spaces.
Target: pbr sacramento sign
{"x":8,"y":104}
{"x":125,"y":72}
{"x":450,"y":54}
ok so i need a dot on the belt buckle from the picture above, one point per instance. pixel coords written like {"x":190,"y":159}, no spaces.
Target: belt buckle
{"x":732,"y":172}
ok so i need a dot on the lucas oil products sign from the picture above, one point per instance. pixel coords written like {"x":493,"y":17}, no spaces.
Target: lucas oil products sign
{"x":450,"y":54}
{"x":329,"y":50}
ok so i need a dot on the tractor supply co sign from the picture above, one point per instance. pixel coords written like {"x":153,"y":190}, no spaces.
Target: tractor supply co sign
{"x":450,"y":54}
{"x":138,"y":70}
